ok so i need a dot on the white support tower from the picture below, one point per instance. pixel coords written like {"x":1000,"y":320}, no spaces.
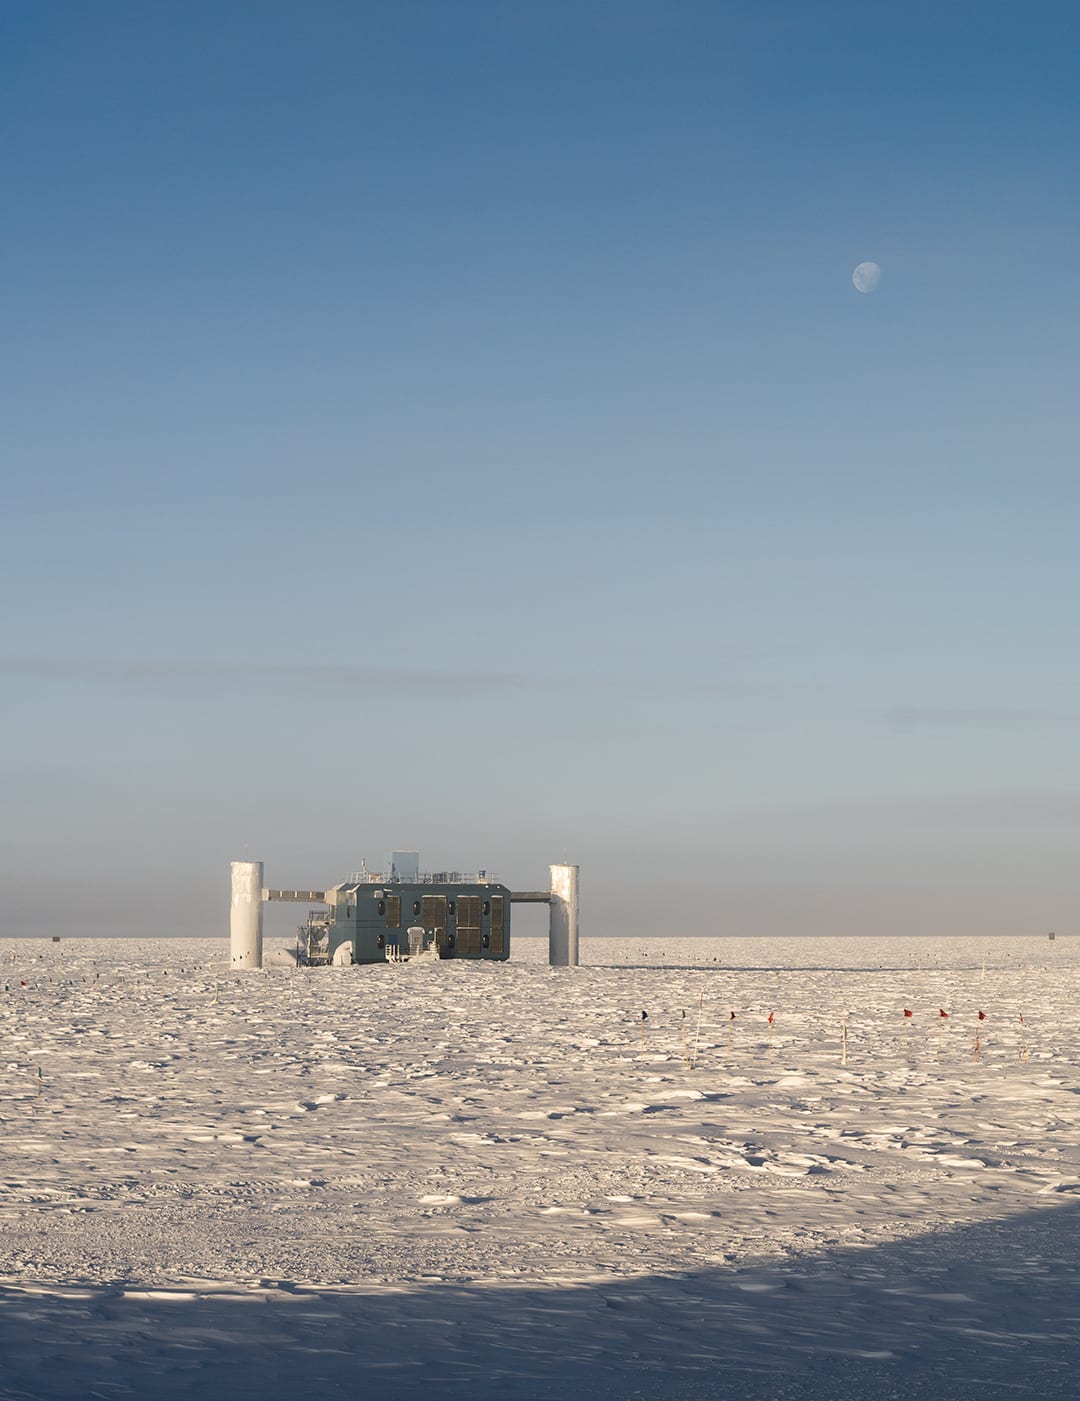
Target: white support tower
{"x":563,"y":929}
{"x":245,"y":914}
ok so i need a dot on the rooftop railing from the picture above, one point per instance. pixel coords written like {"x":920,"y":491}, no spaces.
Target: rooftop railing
{"x":423,"y":878}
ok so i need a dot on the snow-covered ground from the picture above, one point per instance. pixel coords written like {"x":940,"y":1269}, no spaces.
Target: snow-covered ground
{"x":498,"y":1180}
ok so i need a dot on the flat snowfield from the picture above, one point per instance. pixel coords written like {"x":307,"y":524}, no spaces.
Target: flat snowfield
{"x":500,"y":1180}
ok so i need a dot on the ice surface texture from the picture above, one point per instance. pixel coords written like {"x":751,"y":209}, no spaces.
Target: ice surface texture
{"x":488,"y":1181}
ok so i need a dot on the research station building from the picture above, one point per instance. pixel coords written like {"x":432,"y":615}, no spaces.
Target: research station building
{"x":403,"y":913}
{"x":452,"y":915}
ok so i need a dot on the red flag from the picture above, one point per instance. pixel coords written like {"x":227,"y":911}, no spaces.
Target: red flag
{"x":982,"y":1016}
{"x":22,"y":984}
{"x":770,"y":1018}
{"x":1021,"y":1018}
{"x":942,"y":1013}
{"x":733,"y":1016}
{"x":908,"y":1012}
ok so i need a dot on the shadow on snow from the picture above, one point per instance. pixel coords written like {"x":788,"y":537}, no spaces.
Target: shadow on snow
{"x":975,"y":1312}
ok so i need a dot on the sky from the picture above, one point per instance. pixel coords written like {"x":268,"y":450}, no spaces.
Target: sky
{"x":454,"y":427}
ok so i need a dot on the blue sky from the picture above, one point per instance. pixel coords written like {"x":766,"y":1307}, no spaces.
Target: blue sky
{"x":454,"y":426}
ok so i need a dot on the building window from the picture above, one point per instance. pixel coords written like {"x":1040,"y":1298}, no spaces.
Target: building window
{"x":382,"y":907}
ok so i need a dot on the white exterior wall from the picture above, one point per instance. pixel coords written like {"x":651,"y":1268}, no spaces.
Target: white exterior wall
{"x":245,"y":914}
{"x":563,"y":930}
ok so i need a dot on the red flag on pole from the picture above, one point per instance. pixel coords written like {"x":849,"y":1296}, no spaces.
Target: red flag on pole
{"x":942,"y":1013}
{"x":770,"y":1018}
{"x":733,"y":1016}
{"x":982,"y":1016}
{"x":908,"y":1012}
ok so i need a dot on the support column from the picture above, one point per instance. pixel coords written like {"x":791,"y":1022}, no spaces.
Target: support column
{"x":563,"y":929}
{"x":245,"y":914}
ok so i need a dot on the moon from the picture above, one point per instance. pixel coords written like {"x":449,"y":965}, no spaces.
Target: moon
{"x":866,"y":277}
